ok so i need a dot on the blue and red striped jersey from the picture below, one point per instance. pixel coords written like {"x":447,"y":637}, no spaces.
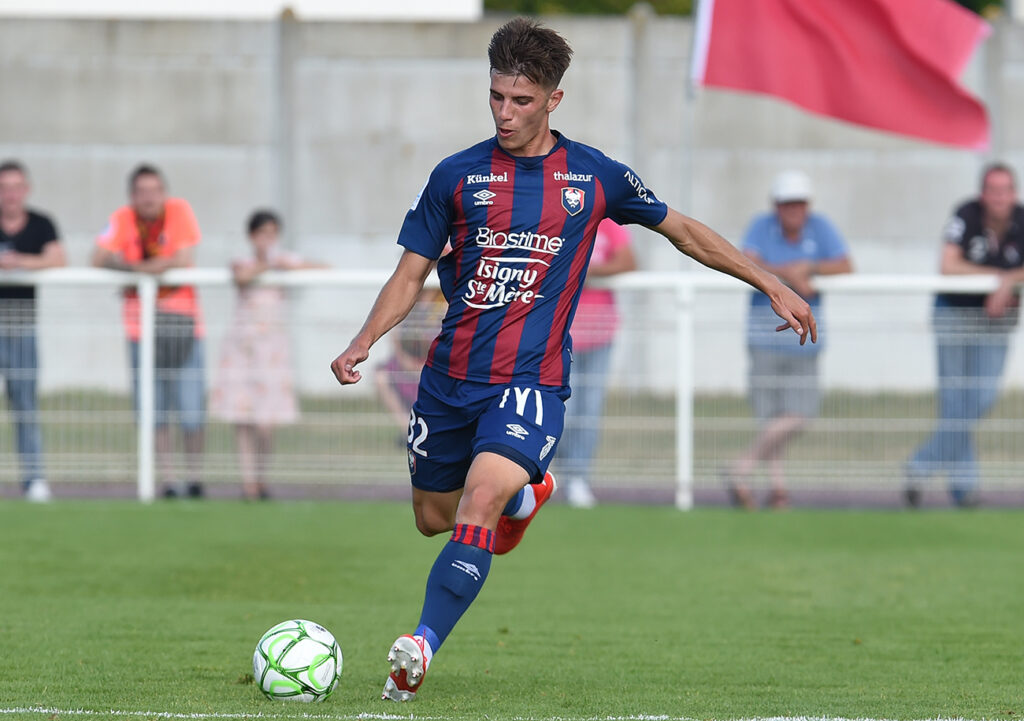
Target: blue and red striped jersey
{"x":521,"y":232}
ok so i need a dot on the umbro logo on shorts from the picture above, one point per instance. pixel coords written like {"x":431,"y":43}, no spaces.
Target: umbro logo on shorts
{"x":516,"y":431}
{"x":547,"y":446}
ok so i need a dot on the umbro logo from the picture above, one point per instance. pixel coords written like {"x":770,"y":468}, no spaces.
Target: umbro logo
{"x":483,"y":197}
{"x":469,"y":569}
{"x":547,"y":446}
{"x":516,"y":431}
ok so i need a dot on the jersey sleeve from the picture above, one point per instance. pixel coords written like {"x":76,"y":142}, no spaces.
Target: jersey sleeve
{"x":628,"y":200}
{"x":182,"y":227}
{"x":113,"y":237}
{"x":427,"y":225}
{"x":831,"y":245}
{"x":47,"y":231}
{"x":956,"y":225}
{"x":754,"y":237}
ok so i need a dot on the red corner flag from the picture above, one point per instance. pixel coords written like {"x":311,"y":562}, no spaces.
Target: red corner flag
{"x":888,"y":64}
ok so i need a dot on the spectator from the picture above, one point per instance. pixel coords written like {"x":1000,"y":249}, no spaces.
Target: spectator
{"x":254,"y":388}
{"x":398,"y":377}
{"x":593,"y":330}
{"x":152,"y":234}
{"x":796,"y":245}
{"x":28,"y":241}
{"x":985,"y":236}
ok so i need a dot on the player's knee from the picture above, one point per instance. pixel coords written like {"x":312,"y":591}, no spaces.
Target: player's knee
{"x":431,"y":524}
{"x":484,"y":500}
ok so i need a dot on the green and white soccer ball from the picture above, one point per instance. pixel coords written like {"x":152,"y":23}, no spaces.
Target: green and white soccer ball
{"x":297,"y":661}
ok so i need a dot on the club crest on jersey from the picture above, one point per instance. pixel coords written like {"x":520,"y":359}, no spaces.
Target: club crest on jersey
{"x":573,"y":200}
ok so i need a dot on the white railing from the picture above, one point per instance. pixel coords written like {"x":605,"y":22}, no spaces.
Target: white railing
{"x":684,"y":288}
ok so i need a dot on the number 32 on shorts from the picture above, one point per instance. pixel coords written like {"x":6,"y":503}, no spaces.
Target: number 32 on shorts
{"x":417,"y":434}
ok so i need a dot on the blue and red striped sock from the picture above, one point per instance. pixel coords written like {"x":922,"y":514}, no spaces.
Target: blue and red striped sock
{"x":454,"y":581}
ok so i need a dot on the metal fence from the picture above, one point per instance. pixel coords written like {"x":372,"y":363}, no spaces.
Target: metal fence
{"x":677,"y":414}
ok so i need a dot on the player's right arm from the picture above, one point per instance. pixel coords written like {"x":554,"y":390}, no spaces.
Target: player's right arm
{"x":394,"y":302}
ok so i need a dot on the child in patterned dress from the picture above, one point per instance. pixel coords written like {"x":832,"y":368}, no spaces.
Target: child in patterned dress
{"x":254,"y":388}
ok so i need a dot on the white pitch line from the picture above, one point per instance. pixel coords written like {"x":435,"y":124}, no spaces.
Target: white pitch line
{"x":42,"y":710}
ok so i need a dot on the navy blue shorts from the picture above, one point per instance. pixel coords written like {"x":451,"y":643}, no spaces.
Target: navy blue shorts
{"x":453,"y":420}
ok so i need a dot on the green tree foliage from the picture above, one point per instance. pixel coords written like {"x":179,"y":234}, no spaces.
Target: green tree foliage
{"x":984,"y":7}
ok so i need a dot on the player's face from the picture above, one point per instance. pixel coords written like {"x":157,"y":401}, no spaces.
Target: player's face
{"x":792,"y":216}
{"x":148,"y":197}
{"x":998,"y":195}
{"x":520,"y":109}
{"x":13,"y":191}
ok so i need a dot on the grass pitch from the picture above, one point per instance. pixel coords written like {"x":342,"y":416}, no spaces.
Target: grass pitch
{"x":616,"y":612}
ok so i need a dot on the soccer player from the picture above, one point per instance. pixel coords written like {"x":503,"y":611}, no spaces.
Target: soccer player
{"x":520,"y":210}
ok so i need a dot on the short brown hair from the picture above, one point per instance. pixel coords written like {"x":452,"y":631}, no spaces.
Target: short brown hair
{"x":142,"y":170}
{"x":997,"y":167}
{"x":13,"y":166}
{"x":523,"y":47}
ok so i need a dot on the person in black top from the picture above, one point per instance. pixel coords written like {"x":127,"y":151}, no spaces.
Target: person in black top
{"x":28,"y":241}
{"x":984,"y":236}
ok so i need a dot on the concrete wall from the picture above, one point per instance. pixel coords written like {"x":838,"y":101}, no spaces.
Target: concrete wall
{"x":338,"y":125}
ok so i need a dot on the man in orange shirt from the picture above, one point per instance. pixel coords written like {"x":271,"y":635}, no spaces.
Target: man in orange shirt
{"x":152,"y":234}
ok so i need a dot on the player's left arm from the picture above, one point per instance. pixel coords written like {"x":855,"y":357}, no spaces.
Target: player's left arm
{"x":707,"y":247}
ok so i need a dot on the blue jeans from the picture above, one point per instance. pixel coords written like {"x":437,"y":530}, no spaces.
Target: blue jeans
{"x":19,"y":365}
{"x":583,"y":411}
{"x":180,"y":393}
{"x":971,"y":353}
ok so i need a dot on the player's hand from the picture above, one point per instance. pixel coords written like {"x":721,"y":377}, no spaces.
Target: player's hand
{"x":344,"y":366}
{"x":795,"y":311}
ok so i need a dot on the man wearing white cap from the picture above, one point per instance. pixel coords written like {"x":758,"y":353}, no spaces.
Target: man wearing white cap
{"x":796,"y":245}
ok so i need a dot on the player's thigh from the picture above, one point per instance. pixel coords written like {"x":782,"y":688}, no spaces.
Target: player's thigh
{"x":523,"y":424}
{"x":439,"y":445}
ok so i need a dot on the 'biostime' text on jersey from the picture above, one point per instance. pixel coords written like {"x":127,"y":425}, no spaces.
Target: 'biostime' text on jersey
{"x":528,"y":240}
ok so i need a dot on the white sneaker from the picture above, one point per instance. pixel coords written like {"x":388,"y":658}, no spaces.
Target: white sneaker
{"x":38,"y":491}
{"x":579,"y":494}
{"x":409,"y":657}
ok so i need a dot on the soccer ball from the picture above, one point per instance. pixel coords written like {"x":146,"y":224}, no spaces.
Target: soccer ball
{"x":297,"y":661}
